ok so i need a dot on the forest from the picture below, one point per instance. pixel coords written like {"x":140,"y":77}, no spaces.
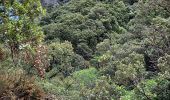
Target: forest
{"x":85,"y":50}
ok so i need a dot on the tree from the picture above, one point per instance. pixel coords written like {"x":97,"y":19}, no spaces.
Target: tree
{"x":85,"y":23}
{"x":64,"y":60}
{"x":151,"y":27}
{"x":19,"y":30}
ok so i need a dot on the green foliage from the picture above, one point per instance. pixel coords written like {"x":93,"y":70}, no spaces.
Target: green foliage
{"x":63,"y":59}
{"x":61,"y":56}
{"x":22,"y":28}
{"x":130,"y":69}
{"x":162,"y":90}
{"x":63,"y":89}
{"x":151,"y":26}
{"x":153,"y":89}
{"x":163,"y":64}
{"x":19,"y":30}
{"x":130,"y":95}
{"x":86,"y":76}
{"x":103,"y":89}
{"x":85,"y":23}
{"x":126,"y":41}
{"x":121,"y":59}
{"x":146,"y":88}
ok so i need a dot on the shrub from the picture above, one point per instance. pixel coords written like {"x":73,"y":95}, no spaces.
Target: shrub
{"x":130,"y":70}
{"x":63,"y":89}
{"x":63,"y":59}
{"x":86,"y":76}
{"x":1,"y":54}
{"x":16,"y":85}
{"x":103,"y":89}
{"x":164,"y":64}
{"x":153,"y":89}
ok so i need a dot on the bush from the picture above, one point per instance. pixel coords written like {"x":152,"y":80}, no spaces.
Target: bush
{"x":86,"y":76}
{"x":153,"y":89}
{"x":16,"y":85}
{"x":65,"y":89}
{"x":103,"y":89}
{"x":130,"y":70}
{"x":63,"y":59}
{"x":164,"y":64}
{"x":1,"y":54}
{"x":85,"y":23}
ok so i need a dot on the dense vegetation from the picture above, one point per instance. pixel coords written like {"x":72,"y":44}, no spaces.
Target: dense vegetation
{"x":85,"y":50}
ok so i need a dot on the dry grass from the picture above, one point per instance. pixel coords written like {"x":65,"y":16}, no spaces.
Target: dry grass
{"x":18,"y":86}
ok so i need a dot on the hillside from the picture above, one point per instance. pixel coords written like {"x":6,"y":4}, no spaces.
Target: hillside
{"x":85,"y":50}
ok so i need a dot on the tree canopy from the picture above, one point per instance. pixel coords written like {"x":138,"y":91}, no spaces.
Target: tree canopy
{"x":85,"y":50}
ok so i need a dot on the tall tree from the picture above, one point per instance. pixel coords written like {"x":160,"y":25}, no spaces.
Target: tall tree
{"x":19,"y":30}
{"x":18,"y":26}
